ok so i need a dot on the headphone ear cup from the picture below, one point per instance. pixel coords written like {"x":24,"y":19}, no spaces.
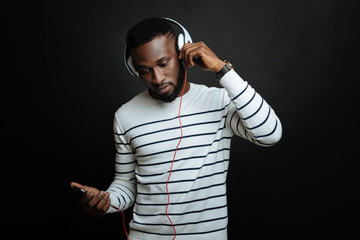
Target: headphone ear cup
{"x":180,"y":41}
{"x":131,"y":67}
{"x":129,"y":63}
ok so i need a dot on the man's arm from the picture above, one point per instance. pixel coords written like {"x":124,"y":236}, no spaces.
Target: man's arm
{"x":123,"y":189}
{"x":251,"y":117}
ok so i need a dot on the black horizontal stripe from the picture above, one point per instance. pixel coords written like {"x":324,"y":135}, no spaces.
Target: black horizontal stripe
{"x":186,"y":180}
{"x":176,"y":138}
{"x":144,"y":124}
{"x":181,"y":234}
{"x":119,"y":172}
{"x":182,"y":224}
{"x":125,"y":163}
{"x":205,"y":165}
{"x":121,"y":143}
{"x":130,"y":191}
{"x":247,"y":102}
{"x":262,"y":101}
{"x":204,"y":112}
{"x":182,"y":213}
{"x":262,"y":123}
{"x":262,"y":143}
{"x":121,"y":194}
{"x":124,"y":153}
{"x":184,"y":192}
{"x":181,"y":203}
{"x":124,"y":200}
{"x":182,"y":159}
{"x":270,"y":133}
{"x":177,"y":127}
{"x":240,"y":92}
{"x":183,"y":169}
{"x":237,"y":127}
{"x":119,"y":200}
{"x":184,"y":148}
{"x":125,"y":191}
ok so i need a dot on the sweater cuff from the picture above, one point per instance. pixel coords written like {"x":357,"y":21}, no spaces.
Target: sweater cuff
{"x":233,"y":83}
{"x":112,"y":201}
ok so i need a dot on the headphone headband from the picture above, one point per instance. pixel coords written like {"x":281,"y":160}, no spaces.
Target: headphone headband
{"x":186,"y":36}
{"x":181,"y":39}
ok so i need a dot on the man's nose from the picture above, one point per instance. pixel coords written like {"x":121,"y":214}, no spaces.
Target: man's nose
{"x":158,"y":76}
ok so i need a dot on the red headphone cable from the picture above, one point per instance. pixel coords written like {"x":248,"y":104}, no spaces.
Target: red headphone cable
{"x":172,"y":163}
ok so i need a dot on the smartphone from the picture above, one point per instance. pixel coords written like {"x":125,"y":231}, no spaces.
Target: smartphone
{"x":79,"y":189}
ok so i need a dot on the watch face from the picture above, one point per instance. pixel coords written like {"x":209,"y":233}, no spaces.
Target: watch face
{"x":229,"y":64}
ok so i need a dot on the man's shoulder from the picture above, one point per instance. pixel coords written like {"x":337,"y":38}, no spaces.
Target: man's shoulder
{"x":132,"y":106}
{"x":206,"y":92}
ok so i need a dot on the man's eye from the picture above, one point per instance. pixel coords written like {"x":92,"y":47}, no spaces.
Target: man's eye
{"x":163,"y":64}
{"x":144,"y":71}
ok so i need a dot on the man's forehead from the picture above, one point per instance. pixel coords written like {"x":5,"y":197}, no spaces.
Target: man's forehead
{"x":158,"y":48}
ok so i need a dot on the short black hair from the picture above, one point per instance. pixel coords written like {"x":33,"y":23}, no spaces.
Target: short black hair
{"x":146,"y":30}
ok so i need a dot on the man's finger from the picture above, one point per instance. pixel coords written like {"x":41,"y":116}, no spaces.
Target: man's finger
{"x":182,"y":53}
{"x":74,"y":185}
{"x":88,"y":189}
{"x":188,"y":54}
{"x":102,"y":200}
{"x":95,"y":206}
{"x":94,"y":200}
{"x":102,"y":205}
{"x":85,"y":199}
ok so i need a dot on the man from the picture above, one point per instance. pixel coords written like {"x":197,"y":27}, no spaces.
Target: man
{"x":174,"y":173}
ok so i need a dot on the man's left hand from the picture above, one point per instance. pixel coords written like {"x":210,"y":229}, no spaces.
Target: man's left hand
{"x":199,"y":53}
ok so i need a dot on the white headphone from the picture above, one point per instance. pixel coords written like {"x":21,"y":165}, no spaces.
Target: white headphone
{"x":181,"y":39}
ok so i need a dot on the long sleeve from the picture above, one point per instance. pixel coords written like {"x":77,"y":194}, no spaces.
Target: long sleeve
{"x":251,"y":116}
{"x":123,"y":189}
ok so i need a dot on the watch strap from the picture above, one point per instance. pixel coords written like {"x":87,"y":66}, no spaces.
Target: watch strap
{"x":227,"y":67}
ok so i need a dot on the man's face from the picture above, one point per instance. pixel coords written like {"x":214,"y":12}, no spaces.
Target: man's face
{"x":159,"y":67}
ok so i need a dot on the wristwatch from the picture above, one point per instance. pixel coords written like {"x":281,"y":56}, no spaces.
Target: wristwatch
{"x":227,"y":67}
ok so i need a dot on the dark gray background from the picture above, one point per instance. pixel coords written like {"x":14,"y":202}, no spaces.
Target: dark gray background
{"x":63,"y":78}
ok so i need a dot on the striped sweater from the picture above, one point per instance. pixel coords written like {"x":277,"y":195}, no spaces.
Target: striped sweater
{"x":146,"y":134}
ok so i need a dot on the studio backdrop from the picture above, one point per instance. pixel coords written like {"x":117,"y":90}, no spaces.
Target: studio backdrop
{"x":65,"y":77}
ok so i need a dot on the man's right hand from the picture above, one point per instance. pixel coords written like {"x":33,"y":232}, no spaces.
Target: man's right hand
{"x":94,"y":202}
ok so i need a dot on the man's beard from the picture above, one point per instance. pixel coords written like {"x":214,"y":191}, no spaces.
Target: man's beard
{"x":177,"y":88}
